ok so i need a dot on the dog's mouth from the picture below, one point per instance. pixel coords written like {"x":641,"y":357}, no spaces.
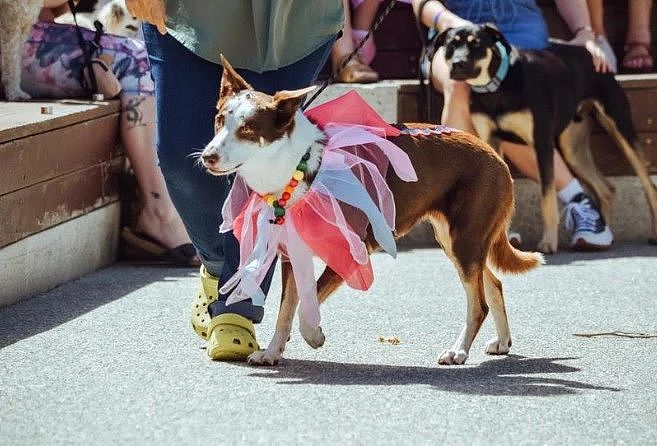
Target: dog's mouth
{"x":463,"y":73}
{"x":218,"y":172}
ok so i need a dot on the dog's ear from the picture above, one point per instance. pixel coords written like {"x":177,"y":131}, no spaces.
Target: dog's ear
{"x":442,"y":38}
{"x":287,"y":103}
{"x":231,"y":82}
{"x":495,"y":33}
{"x":117,"y":12}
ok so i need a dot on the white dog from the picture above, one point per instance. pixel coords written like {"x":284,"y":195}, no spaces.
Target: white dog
{"x":113,"y":15}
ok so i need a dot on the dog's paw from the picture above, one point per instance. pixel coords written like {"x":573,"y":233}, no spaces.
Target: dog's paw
{"x":548,"y":245}
{"x":264,"y":357}
{"x":16,"y":94}
{"x":313,"y":336}
{"x":497,"y":347}
{"x":453,"y":357}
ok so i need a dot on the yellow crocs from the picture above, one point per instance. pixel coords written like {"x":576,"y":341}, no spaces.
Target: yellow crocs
{"x":231,"y":338}
{"x":207,"y":293}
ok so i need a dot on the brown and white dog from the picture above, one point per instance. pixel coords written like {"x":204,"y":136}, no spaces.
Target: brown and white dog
{"x":464,"y":189}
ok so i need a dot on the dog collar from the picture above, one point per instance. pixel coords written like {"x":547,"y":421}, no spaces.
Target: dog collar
{"x":501,"y":73}
{"x":279,"y":204}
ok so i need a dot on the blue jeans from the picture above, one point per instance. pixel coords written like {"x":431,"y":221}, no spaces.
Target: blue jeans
{"x":186,"y":92}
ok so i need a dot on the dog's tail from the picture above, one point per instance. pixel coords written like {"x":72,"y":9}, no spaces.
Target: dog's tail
{"x":507,"y":259}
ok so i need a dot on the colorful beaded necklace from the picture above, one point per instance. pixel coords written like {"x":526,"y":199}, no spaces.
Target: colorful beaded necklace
{"x":279,"y":204}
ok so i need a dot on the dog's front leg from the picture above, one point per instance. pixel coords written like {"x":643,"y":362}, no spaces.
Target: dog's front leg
{"x":477,"y":309}
{"x":328,"y":282}
{"x":289,"y":302}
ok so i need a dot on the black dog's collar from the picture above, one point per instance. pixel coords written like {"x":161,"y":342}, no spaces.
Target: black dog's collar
{"x":500,"y":74}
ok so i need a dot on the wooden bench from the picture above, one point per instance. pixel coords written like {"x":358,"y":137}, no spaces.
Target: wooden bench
{"x":59,"y":192}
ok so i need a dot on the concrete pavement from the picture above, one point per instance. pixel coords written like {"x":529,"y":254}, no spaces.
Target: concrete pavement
{"x":110,"y":359}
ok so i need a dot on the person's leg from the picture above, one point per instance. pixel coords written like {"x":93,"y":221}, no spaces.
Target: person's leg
{"x":362,"y":19}
{"x":186,"y":106}
{"x":583,"y":217}
{"x":524,"y":159}
{"x":355,"y":71}
{"x":637,"y":49}
{"x":158,"y":217}
{"x":456,"y":108}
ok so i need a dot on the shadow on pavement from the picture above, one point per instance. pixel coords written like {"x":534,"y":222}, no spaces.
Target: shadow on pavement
{"x":44,"y":311}
{"x":622,"y":250}
{"x":504,"y":376}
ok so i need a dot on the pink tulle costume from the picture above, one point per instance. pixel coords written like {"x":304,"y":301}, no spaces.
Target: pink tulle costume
{"x":348,"y":194}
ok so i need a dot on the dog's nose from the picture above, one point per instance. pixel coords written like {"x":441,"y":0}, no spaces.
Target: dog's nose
{"x":460,"y":65}
{"x":211,"y":159}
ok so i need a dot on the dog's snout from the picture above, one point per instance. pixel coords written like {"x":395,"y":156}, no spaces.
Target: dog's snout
{"x":461,"y":69}
{"x":211,"y":159}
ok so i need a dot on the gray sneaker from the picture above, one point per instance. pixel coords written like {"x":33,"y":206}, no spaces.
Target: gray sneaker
{"x":584,"y":220}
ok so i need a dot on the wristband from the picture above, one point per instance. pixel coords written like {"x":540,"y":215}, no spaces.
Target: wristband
{"x":437,"y":17}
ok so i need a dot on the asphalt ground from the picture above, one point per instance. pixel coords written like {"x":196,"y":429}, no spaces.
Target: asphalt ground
{"x":111,"y":359}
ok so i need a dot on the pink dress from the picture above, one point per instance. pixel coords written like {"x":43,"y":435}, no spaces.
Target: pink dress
{"x":349,"y":193}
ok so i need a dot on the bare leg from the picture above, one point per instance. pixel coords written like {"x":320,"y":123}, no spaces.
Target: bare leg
{"x":637,"y":56}
{"x":456,"y":110}
{"x":524,"y":159}
{"x":355,"y":71}
{"x":363,"y":18}
{"x":158,"y":217}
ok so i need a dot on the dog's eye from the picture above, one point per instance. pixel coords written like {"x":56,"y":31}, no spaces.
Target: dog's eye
{"x":131,"y":27}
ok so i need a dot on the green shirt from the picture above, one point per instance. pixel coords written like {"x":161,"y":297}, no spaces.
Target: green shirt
{"x":259,"y":35}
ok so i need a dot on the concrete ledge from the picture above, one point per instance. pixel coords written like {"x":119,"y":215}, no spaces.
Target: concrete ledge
{"x":59,"y":254}
{"x":383,"y":96}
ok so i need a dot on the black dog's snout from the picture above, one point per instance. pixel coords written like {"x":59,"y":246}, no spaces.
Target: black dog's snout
{"x":460,"y":65}
{"x":462,"y":68}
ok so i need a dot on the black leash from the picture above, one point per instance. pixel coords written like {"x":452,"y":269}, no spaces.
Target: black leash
{"x":344,"y":63}
{"x":93,"y":88}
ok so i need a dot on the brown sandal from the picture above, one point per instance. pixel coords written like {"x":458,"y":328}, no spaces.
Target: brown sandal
{"x":637,"y":52}
{"x":356,"y":72}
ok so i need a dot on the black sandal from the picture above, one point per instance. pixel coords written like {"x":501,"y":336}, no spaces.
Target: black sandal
{"x":144,"y":248}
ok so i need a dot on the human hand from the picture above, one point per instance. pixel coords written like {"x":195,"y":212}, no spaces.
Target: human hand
{"x":151,"y":11}
{"x":586,"y":38}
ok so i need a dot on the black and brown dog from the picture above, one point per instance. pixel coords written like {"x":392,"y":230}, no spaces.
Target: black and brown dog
{"x":534,"y":97}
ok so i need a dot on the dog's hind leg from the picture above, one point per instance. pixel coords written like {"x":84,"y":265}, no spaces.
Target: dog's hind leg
{"x":12,"y":41}
{"x":473,"y":283}
{"x":328,"y":282}
{"x":575,"y":147}
{"x":289,"y":302}
{"x":495,"y":299}
{"x":613,"y":116}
